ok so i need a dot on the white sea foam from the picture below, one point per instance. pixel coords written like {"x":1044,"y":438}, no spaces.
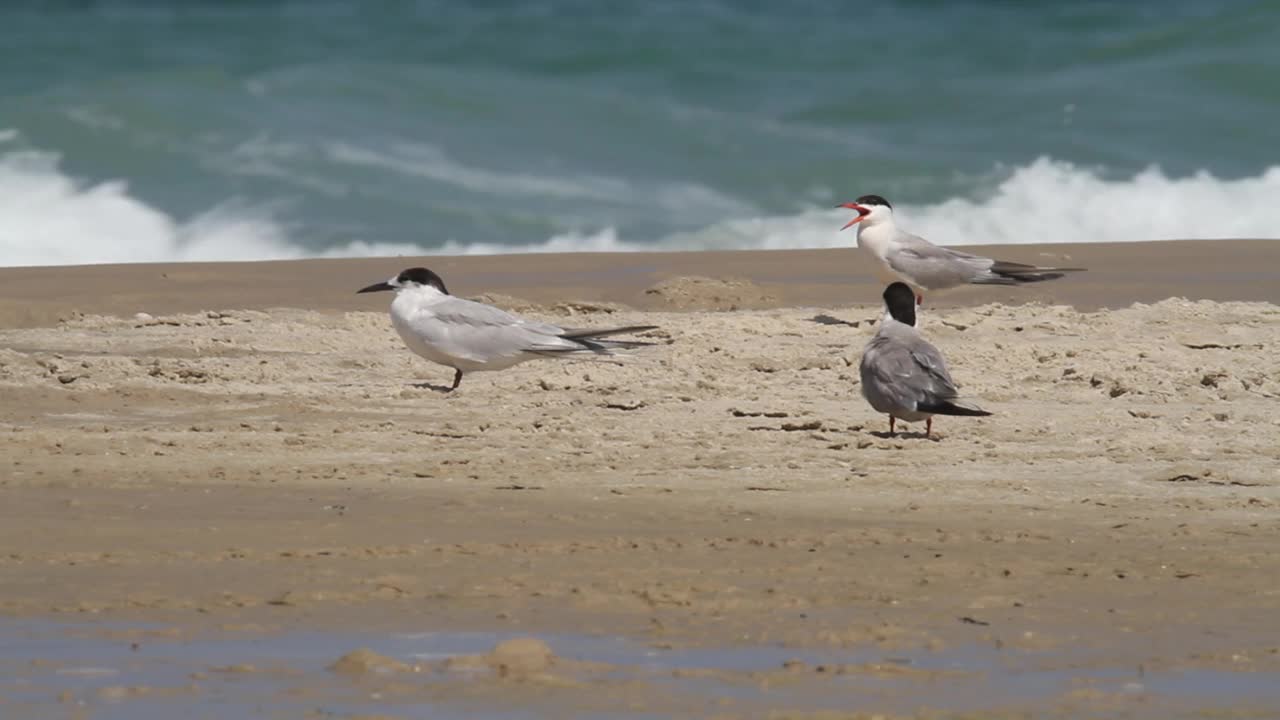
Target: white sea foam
{"x":1051,"y":201}
{"x":1047,"y":201}
{"x":48,"y":218}
{"x":606,"y":240}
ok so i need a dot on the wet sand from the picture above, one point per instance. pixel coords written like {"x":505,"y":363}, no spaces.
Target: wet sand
{"x":1119,"y":274}
{"x":285,"y":469}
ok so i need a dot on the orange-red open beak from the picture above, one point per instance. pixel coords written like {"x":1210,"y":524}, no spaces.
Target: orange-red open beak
{"x":862,"y":212}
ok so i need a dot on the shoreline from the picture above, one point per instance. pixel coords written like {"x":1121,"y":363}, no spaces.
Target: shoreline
{"x":1119,"y":274}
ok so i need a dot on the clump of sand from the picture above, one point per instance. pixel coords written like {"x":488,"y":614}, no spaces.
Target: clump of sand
{"x":364,"y":661}
{"x":517,"y":658}
{"x":703,"y":293}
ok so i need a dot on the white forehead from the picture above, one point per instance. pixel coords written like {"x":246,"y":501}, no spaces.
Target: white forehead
{"x":877,"y":212}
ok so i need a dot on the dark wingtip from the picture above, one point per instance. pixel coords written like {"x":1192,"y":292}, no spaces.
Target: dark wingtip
{"x":947,"y":407}
{"x":1023,"y":273}
{"x":593,"y":333}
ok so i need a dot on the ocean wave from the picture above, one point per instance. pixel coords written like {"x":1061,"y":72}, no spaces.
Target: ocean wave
{"x":426,"y":161}
{"x":1046,"y":201}
{"x":1051,"y":201}
{"x":677,"y":200}
{"x":604,"y":240}
{"x":49,"y":218}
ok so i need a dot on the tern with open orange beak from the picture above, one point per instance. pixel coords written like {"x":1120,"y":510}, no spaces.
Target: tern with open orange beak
{"x":925,"y":266}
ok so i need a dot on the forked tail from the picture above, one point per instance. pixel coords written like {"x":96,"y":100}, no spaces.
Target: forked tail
{"x":1009,"y":273}
{"x":951,"y":407}
{"x":590,"y":339}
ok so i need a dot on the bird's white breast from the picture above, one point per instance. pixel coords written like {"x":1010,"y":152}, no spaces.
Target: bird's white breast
{"x":879,"y":241}
{"x":876,"y":239}
{"x":415,"y":321}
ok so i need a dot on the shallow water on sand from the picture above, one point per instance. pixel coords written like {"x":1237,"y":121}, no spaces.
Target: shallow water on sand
{"x":113,"y":671}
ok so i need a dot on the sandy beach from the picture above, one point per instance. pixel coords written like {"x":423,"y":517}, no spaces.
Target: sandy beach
{"x":259,"y":453}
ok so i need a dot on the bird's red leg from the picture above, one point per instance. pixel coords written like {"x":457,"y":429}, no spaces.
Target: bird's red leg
{"x":928,"y":427}
{"x":891,"y":419}
{"x":919,"y":299}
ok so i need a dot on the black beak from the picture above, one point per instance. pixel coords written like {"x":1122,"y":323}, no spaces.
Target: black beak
{"x":376,"y":287}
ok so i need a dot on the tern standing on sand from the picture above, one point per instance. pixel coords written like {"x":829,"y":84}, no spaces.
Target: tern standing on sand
{"x":925,"y":266}
{"x":902,"y":374}
{"x":469,"y":336}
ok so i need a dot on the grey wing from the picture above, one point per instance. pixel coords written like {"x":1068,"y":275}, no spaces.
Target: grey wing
{"x":904,"y":375}
{"x":890,"y":377}
{"x":933,"y":267}
{"x":936,"y":382}
{"x":481,"y":332}
{"x":458,"y":311}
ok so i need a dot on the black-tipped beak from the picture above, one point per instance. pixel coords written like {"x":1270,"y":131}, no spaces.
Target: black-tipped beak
{"x":376,"y":287}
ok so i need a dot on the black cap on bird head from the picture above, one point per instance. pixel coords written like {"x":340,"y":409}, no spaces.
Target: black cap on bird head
{"x":900,"y":301}
{"x":863,"y":206}
{"x":421,"y":276}
{"x":408,"y":278}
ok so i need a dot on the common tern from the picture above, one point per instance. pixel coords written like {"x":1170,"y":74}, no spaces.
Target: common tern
{"x":902,"y":374}
{"x":925,"y":266}
{"x":469,"y":336}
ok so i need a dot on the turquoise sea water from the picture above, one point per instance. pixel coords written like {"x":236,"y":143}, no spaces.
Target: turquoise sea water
{"x":134,"y":131}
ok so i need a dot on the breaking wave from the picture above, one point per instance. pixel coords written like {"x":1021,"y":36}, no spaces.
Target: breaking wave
{"x":49,"y":218}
